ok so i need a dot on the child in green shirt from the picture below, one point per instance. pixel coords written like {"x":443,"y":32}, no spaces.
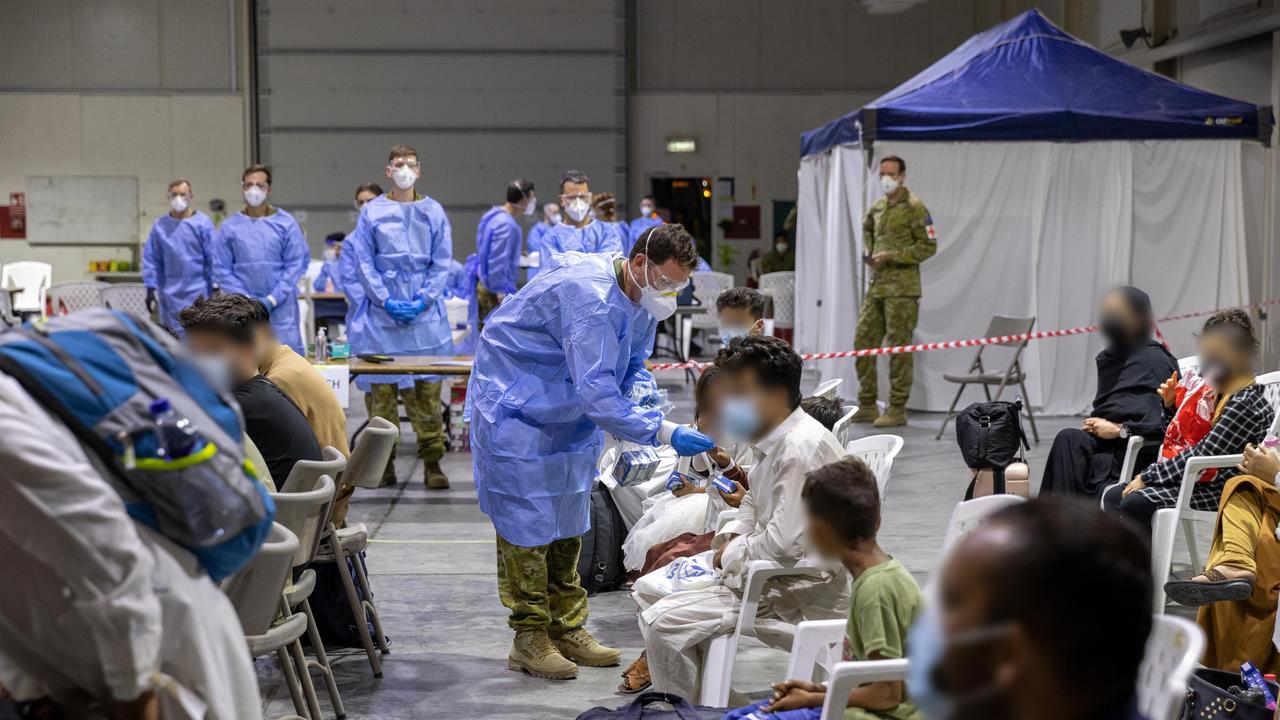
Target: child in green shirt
{"x":843,"y":506}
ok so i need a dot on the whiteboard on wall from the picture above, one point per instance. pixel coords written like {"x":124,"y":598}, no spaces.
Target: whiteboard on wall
{"x":76,"y":210}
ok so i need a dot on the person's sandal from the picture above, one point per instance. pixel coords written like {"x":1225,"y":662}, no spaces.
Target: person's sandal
{"x":1218,"y":588}
{"x":636,"y":677}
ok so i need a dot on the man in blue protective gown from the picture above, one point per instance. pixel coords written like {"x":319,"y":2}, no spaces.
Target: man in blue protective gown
{"x":260,"y":252}
{"x":579,"y":231}
{"x":649,"y":217}
{"x":348,"y":268}
{"x":175,"y":260}
{"x":498,"y":240}
{"x":556,"y":364}
{"x":403,"y":245}
{"x":533,"y":243}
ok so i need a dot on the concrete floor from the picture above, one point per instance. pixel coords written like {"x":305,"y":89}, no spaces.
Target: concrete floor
{"x":431,"y":562}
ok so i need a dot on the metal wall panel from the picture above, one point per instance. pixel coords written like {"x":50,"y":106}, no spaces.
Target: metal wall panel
{"x":117,"y":45}
{"x":485,"y":90}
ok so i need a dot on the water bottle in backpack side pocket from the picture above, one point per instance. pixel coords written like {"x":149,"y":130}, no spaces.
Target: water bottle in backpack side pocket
{"x":207,"y":503}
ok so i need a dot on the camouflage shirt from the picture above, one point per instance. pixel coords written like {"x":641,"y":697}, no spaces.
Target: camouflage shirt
{"x":904,"y":229}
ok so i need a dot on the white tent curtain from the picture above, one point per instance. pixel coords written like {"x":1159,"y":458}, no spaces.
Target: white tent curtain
{"x":1030,"y":229}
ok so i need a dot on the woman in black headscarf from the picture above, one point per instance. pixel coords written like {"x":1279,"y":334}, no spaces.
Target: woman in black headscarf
{"x":1087,"y":460}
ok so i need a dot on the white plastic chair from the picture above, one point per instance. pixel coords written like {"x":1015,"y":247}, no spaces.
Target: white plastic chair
{"x":1173,"y":653}
{"x":827,"y":388}
{"x":707,"y":286}
{"x":1164,"y":526}
{"x":127,"y":297}
{"x":31,"y":280}
{"x":781,"y":286}
{"x":848,"y":675}
{"x":256,"y":592}
{"x":971,"y":514}
{"x":306,"y":513}
{"x":841,"y":427}
{"x":878,"y":452}
{"x":717,"y":665}
{"x":75,"y":296}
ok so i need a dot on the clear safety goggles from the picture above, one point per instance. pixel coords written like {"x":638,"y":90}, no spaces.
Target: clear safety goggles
{"x":665,"y":284}
{"x":403,"y":162}
{"x":567,"y":199}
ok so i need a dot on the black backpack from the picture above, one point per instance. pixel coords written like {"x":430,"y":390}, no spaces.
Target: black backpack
{"x":990,"y":437}
{"x":600,"y":562}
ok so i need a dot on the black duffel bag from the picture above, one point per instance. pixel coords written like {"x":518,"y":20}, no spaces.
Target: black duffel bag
{"x":1207,"y":698}
{"x":640,"y":710}
{"x":990,"y":437}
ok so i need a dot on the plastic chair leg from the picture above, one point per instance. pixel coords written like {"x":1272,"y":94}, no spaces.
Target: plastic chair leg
{"x":1164,"y":528}
{"x":353,"y":602}
{"x":1198,"y":561}
{"x":321,"y":662}
{"x":951,"y":411}
{"x":717,"y":667}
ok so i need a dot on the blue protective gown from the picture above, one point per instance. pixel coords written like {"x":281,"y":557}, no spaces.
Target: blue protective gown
{"x":621,"y":233}
{"x":498,"y":239}
{"x":260,"y":257}
{"x":403,"y":252}
{"x":533,"y":243}
{"x":460,"y":280}
{"x":349,"y":273}
{"x":176,"y":263}
{"x":596,"y":237}
{"x":640,"y":224}
{"x":554,"y":365}
{"x":328,"y":271}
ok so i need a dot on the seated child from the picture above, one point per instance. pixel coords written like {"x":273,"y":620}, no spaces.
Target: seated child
{"x":843,"y":512}
{"x":740,"y":312}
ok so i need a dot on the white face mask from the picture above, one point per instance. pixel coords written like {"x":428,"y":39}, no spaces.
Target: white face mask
{"x":530,"y":206}
{"x":255,"y":196}
{"x":780,"y":248}
{"x":660,"y":304}
{"x":555,"y":219}
{"x":330,"y":254}
{"x":404,"y":176}
{"x":578,"y":210}
{"x":889,"y":184}
{"x":179,"y":203}
{"x":646,"y":210}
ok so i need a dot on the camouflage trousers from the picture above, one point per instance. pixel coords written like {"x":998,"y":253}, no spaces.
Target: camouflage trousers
{"x":421,"y":404}
{"x":888,"y":321}
{"x":541,"y":587}
{"x":486,"y":302}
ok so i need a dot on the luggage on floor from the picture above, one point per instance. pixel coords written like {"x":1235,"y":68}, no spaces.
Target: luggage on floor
{"x":1017,"y":481}
{"x":600,"y":563}
{"x":640,"y":709}
{"x":991,"y":438}
{"x":330,"y":607}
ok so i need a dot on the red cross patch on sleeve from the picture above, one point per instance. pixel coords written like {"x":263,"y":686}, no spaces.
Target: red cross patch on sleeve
{"x":931,"y":232}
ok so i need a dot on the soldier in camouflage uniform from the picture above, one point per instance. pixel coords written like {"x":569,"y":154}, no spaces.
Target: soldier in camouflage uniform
{"x":897,"y":235}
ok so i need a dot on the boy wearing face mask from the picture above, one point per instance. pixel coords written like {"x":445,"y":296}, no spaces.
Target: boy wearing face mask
{"x":578,"y":230}
{"x":498,"y":241}
{"x":261,"y":252}
{"x":897,"y":235}
{"x":761,"y":407}
{"x":1043,"y":612}
{"x":175,"y":260}
{"x":740,"y":312}
{"x":404,"y":244}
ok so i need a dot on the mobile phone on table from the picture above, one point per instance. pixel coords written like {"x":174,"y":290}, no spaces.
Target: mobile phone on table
{"x":374,"y":358}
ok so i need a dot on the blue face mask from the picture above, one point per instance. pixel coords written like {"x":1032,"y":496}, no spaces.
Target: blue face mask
{"x":729,"y":332}
{"x":739,"y":419}
{"x":927,"y":645}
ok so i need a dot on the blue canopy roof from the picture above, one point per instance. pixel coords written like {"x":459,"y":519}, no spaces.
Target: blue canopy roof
{"x":1027,"y":80}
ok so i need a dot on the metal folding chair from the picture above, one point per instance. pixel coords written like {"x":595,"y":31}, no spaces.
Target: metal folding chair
{"x":1011,"y":375}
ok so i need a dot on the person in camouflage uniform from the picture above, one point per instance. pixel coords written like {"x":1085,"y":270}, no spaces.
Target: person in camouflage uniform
{"x":421,"y":401}
{"x":897,"y":235}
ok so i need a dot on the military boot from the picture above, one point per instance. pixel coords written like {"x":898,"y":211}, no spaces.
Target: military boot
{"x":866,"y":413}
{"x":534,"y":653}
{"x":434,"y":477}
{"x":580,"y":647}
{"x":897,"y":416}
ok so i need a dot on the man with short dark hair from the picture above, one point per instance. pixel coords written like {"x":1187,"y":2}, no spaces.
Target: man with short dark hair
{"x":224,"y":328}
{"x":260,"y":252}
{"x":1046,"y":605}
{"x":897,"y":235}
{"x":498,"y":240}
{"x":842,"y":502}
{"x":760,"y":377}
{"x":557,"y":363}
{"x":740,"y":312}
{"x":403,"y":245}
{"x":175,"y":259}
{"x":579,"y":231}
{"x":826,"y":410}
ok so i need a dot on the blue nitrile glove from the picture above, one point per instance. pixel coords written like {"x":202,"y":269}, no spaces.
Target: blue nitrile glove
{"x":688,"y":441}
{"x":415,"y":308}
{"x":398,"y":310}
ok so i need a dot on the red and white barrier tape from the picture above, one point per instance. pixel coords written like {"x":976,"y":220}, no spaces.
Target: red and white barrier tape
{"x":975,"y":342}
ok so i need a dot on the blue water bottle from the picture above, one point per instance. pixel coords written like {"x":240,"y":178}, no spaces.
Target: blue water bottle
{"x":175,"y":437}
